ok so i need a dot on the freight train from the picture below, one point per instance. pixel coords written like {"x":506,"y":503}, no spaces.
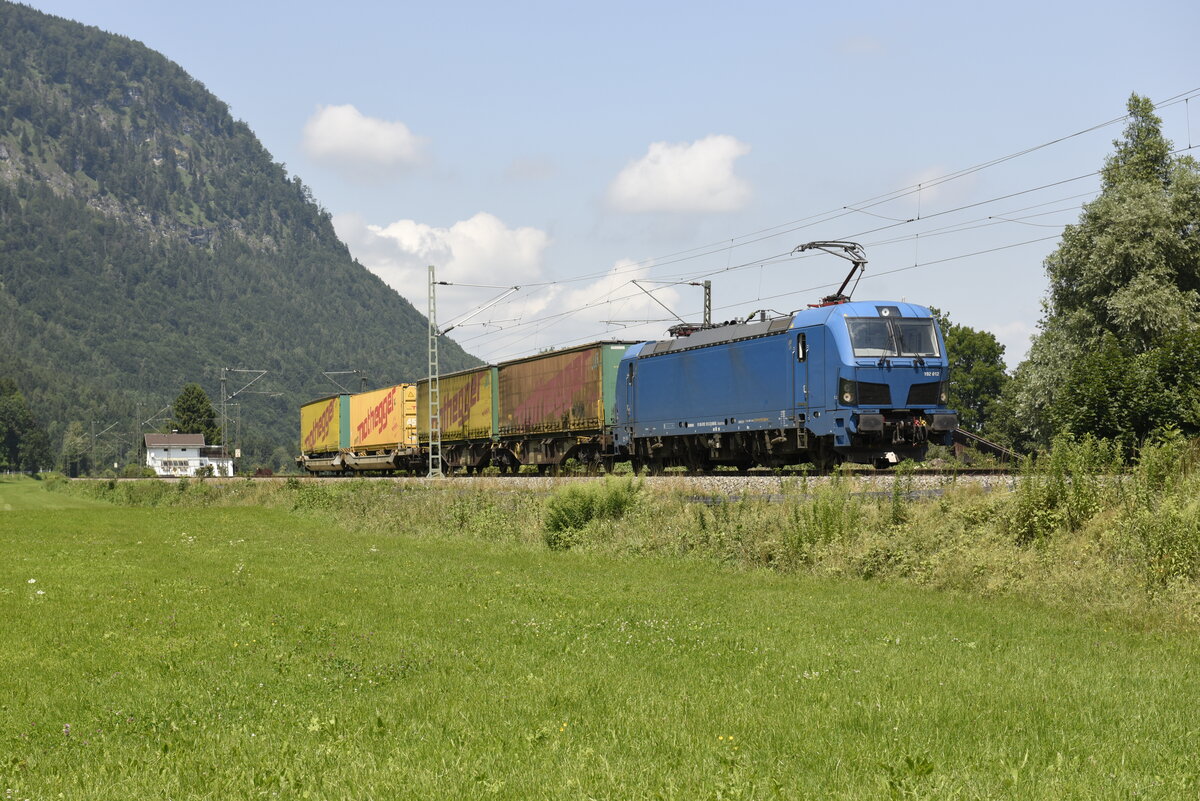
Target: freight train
{"x":849,"y":381}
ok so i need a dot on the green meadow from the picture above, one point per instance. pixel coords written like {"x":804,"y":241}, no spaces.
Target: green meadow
{"x":361,"y":641}
{"x":20,"y":494}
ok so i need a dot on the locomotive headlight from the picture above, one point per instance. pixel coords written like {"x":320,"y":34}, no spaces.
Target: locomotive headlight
{"x":847,"y":391}
{"x":943,"y":395}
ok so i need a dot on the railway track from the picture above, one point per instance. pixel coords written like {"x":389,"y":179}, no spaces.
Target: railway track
{"x":731,"y":482}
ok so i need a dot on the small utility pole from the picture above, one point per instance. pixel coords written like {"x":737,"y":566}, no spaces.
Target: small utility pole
{"x":435,"y":393}
{"x":435,"y":390}
{"x":227,"y":396}
{"x":362,"y":379}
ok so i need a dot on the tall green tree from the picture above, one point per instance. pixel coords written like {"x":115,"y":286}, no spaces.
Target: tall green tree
{"x":1120,"y":316}
{"x":194,"y":414}
{"x":75,"y":459}
{"x":24,"y":445}
{"x":977,"y":376}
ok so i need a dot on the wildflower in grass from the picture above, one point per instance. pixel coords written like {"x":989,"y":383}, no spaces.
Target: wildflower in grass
{"x":67,"y":729}
{"x":33,"y":581}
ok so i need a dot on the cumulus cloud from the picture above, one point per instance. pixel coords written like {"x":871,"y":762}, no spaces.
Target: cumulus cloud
{"x":607,"y":307}
{"x":683,"y":177}
{"x":483,"y":250}
{"x":345,"y":138}
{"x":613,"y":301}
{"x":480,"y":250}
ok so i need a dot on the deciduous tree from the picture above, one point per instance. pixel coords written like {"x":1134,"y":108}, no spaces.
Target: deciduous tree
{"x":977,"y":374}
{"x":1123,"y":301}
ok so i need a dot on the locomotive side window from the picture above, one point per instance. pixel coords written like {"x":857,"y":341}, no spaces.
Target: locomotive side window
{"x":801,"y":347}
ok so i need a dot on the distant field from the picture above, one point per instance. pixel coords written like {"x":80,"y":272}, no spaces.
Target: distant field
{"x":19,"y":493}
{"x":247,"y":652}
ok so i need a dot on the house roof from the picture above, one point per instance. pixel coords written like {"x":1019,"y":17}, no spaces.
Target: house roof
{"x":174,"y":440}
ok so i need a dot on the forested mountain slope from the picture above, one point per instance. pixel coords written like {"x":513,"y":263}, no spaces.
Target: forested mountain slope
{"x":147,"y":239}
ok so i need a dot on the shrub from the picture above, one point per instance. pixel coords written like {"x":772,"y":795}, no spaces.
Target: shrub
{"x":573,"y":507}
{"x":832,"y":514}
{"x":1064,"y":488}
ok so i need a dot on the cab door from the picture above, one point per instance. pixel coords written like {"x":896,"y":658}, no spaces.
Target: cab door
{"x":808,"y":347}
{"x":800,"y":368}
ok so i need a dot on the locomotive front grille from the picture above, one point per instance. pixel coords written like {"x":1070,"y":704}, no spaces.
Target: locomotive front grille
{"x":925,"y":394}
{"x":874,"y":394}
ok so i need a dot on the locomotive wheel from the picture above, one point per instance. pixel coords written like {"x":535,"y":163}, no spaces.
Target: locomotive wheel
{"x":826,"y":463}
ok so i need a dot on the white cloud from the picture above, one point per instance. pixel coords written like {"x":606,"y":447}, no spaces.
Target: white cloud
{"x":683,"y":177}
{"x":483,"y":250}
{"x":607,"y":307}
{"x":613,"y":302}
{"x":480,"y":250}
{"x":343,"y":137}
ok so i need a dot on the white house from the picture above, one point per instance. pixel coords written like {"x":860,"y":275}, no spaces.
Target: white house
{"x":185,"y":455}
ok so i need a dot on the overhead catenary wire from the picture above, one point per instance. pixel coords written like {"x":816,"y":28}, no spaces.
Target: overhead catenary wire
{"x":753,"y":237}
{"x":782,"y":257}
{"x":786,"y":256}
{"x":540,"y":323}
{"x":819,"y":287}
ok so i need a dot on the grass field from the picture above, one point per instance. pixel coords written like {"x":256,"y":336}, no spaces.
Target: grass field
{"x":246,"y":652}
{"x":20,"y":493}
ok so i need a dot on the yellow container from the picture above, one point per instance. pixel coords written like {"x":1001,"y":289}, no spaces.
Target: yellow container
{"x":320,"y":425}
{"x":468,"y":405}
{"x":384,"y":418}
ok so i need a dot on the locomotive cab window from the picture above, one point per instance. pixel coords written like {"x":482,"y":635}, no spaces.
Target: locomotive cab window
{"x":877,"y":337}
{"x":801,"y":347}
{"x":916,"y":338}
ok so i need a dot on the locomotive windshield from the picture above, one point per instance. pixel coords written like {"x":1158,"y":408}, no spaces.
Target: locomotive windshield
{"x":876,"y":337}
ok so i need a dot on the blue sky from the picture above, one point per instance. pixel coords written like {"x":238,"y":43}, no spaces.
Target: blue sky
{"x":571,"y":149}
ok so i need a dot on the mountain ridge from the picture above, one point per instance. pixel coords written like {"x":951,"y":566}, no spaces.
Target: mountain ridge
{"x":147,"y":239}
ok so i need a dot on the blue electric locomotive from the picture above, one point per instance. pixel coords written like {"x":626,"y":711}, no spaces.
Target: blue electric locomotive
{"x":861,"y":381}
